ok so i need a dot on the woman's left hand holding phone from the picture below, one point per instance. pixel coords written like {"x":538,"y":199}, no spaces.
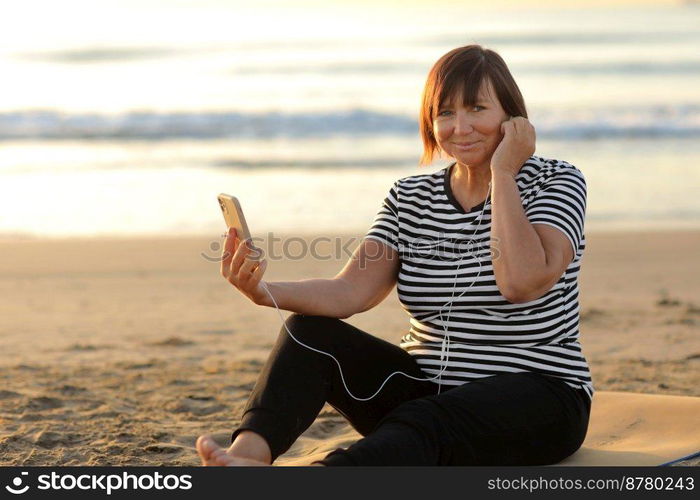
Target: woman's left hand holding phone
{"x":242,"y":267}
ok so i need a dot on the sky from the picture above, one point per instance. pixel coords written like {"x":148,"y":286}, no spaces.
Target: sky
{"x":43,"y":23}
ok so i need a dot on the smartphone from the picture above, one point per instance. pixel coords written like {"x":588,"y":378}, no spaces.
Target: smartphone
{"x":233,"y":215}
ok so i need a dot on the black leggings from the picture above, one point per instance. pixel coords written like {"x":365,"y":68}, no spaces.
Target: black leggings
{"x":521,"y":418}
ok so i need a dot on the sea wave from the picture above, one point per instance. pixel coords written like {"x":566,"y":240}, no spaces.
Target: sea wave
{"x":395,"y":68}
{"x":596,"y":38}
{"x":124,"y":53}
{"x":584,"y":124}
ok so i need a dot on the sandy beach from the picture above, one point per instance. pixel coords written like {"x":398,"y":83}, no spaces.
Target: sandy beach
{"x":123,"y":351}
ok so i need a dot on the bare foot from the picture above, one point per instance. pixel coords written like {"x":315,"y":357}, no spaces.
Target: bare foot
{"x":214,"y":455}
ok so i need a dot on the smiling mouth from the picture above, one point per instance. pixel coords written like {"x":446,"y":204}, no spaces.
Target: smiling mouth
{"x":464,"y":145}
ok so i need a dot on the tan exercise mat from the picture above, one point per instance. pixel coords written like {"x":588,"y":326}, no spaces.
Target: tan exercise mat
{"x":626,"y":428}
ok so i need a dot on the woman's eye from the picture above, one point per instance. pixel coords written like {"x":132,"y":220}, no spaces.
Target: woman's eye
{"x":478,"y":108}
{"x":445,"y":112}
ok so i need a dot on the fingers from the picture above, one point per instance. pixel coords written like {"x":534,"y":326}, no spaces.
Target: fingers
{"x":521,"y":123}
{"x":507,"y":127}
{"x":258,"y":274}
{"x":517,"y":126}
{"x":233,"y":254}
{"x":250,"y":268}
{"x":524,"y":128}
{"x":524,"y":134}
{"x":228,"y":251}
{"x":239,"y":257}
{"x":244,"y":268}
{"x":249,"y":277}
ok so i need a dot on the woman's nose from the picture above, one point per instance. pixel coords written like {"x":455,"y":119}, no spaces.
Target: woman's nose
{"x":463,"y":123}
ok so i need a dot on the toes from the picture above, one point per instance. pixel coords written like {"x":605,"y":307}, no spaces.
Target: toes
{"x":214,"y":455}
{"x":206,"y":447}
{"x":221,"y":458}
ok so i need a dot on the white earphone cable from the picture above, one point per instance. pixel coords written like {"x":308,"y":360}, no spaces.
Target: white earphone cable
{"x":445,"y":349}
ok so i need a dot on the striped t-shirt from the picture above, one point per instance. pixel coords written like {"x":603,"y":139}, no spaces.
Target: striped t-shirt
{"x":437,"y":240}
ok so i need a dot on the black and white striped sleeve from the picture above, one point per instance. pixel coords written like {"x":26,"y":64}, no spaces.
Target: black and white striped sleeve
{"x":561,"y":203}
{"x":385,"y":227}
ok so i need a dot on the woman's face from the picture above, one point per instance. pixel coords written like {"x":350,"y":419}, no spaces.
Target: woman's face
{"x":470,"y":135}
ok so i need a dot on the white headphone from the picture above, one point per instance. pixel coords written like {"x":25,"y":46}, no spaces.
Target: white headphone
{"x":445,"y":341}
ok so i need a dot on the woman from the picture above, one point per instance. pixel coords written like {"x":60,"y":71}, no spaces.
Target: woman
{"x":486,"y":254}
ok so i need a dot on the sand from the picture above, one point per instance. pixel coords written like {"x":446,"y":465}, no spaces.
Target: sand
{"x":123,"y":351}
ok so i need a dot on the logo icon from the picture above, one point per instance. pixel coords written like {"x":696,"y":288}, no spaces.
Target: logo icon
{"x":214,"y":246}
{"x":17,"y":482}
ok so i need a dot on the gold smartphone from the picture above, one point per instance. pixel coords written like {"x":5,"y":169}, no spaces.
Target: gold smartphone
{"x":233,"y":215}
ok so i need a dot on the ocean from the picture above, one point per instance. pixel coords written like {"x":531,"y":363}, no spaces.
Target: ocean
{"x":124,"y":118}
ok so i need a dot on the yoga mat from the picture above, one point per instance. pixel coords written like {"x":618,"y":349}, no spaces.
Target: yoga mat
{"x":625,"y":429}
{"x":639,"y":429}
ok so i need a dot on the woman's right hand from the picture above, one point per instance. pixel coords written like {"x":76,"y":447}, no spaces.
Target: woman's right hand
{"x":241,"y":267}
